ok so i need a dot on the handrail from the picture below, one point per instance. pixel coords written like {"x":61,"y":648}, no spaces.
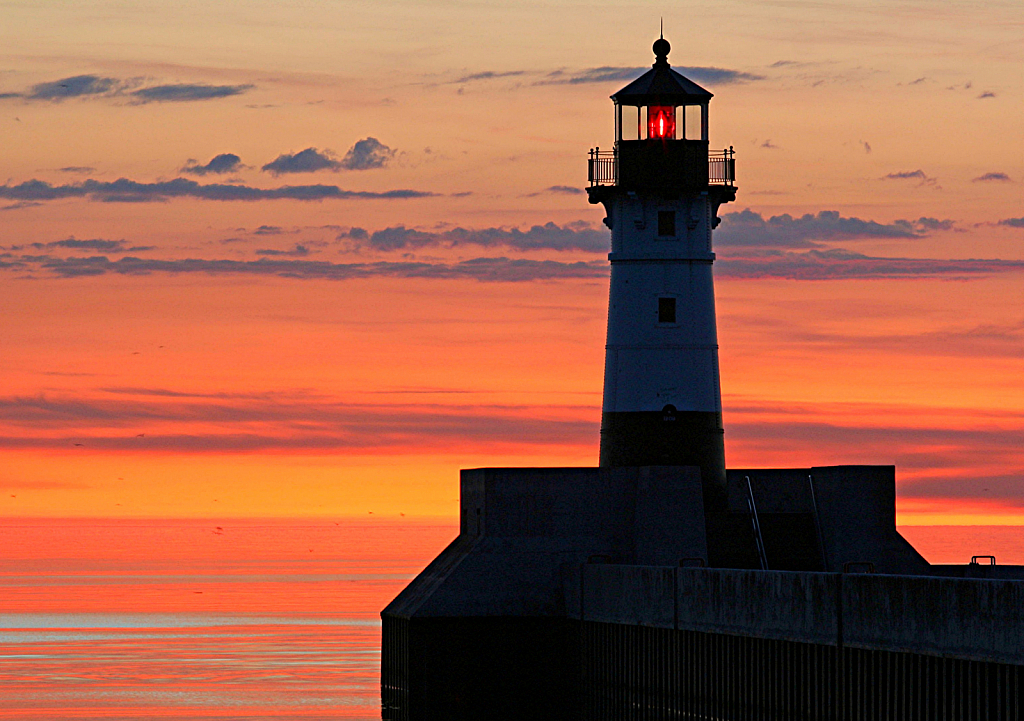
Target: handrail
{"x":603,"y":167}
{"x":757,"y":526}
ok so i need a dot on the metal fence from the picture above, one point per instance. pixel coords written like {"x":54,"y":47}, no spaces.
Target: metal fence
{"x":638,"y":673}
{"x":722,"y":167}
{"x":603,"y":167}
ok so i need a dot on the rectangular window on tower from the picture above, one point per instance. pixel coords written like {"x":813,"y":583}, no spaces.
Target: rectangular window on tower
{"x":666,"y":223}
{"x":666,"y":310}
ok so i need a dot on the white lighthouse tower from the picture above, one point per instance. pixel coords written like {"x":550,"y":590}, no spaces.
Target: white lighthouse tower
{"x":661,"y":188}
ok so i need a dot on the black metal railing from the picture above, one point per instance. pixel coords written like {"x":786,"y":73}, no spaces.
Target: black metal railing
{"x":722,"y":167}
{"x":603,"y":168}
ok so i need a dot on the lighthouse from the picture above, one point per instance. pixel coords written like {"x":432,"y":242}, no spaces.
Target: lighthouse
{"x":645,"y":587}
{"x":661,"y":188}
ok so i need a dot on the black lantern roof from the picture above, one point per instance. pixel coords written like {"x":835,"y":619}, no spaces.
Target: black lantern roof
{"x":661,"y":85}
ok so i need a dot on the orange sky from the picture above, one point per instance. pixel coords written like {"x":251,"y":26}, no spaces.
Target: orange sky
{"x":170,"y":352}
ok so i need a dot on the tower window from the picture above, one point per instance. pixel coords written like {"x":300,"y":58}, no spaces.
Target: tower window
{"x":666,"y":223}
{"x":666,"y":310}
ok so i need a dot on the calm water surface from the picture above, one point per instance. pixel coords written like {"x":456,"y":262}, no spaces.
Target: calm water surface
{"x":248,"y":620}
{"x":185,"y":620}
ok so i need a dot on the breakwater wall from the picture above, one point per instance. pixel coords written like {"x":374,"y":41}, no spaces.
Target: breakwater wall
{"x":692,"y":643}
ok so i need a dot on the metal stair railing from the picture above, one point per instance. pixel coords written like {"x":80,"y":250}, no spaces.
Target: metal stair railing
{"x":757,"y":526}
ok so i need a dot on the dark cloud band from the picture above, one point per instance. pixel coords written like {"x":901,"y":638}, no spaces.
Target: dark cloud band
{"x":95,"y":86}
{"x":187,"y":92}
{"x":749,"y":229}
{"x":480,"y":269}
{"x":549,"y":236}
{"x":125,"y":190}
{"x":708,"y":75}
{"x":810,"y":265}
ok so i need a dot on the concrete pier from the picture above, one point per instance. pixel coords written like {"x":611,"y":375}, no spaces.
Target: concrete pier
{"x":584,"y":593}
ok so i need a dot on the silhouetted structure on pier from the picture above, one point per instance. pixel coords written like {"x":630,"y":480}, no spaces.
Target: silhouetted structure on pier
{"x":659,"y":585}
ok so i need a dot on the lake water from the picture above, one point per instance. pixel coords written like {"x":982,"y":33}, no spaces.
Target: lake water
{"x":233,"y":619}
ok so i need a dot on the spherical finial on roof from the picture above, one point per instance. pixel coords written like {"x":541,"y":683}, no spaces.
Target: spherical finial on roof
{"x":662,"y":49}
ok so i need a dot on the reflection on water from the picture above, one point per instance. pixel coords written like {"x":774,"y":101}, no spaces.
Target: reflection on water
{"x":233,"y":620}
{"x":185,"y":620}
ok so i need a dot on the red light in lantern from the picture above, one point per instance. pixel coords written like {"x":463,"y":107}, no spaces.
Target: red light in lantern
{"x":661,"y":122}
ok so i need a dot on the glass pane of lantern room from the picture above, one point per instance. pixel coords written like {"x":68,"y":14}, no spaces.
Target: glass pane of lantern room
{"x":630,"y":122}
{"x":693,"y":122}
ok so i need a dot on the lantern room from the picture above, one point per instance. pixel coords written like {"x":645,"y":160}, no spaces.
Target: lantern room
{"x":661,"y":135}
{"x":661,"y":104}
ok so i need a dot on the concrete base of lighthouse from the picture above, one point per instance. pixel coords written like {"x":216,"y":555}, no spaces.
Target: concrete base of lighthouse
{"x":484,"y":632}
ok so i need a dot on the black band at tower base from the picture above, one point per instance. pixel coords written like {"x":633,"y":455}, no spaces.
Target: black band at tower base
{"x":669,"y":438}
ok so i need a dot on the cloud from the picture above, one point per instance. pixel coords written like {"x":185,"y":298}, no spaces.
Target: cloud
{"x":268,"y":230}
{"x":73,"y":87}
{"x":77,"y":169}
{"x":837,"y":264}
{"x":1013,"y":222}
{"x":565,"y":189}
{"x":124,"y":190}
{"x":934,"y":461}
{"x":923,"y":224}
{"x":907,"y":175}
{"x":550,"y":236}
{"x":749,"y":229}
{"x":709,"y":75}
{"x":814,"y":265}
{"x":993,"y":177}
{"x":366,"y":154}
{"x":591,"y":75}
{"x":103,"y":246}
{"x":912,"y":175}
{"x":488,"y":75}
{"x":95,"y":86}
{"x":275,"y":421}
{"x":186,"y":92}
{"x":296,"y":251}
{"x":498,"y":270}
{"x":309,"y":160}
{"x":986,"y":94}
{"x":94,"y":245}
{"x":866,"y":146}
{"x":990,"y":340}
{"x":769,"y":144}
{"x":220,"y":164}
{"x":716,"y":76}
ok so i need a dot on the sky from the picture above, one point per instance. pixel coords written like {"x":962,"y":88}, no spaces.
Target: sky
{"x":312,"y":257}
